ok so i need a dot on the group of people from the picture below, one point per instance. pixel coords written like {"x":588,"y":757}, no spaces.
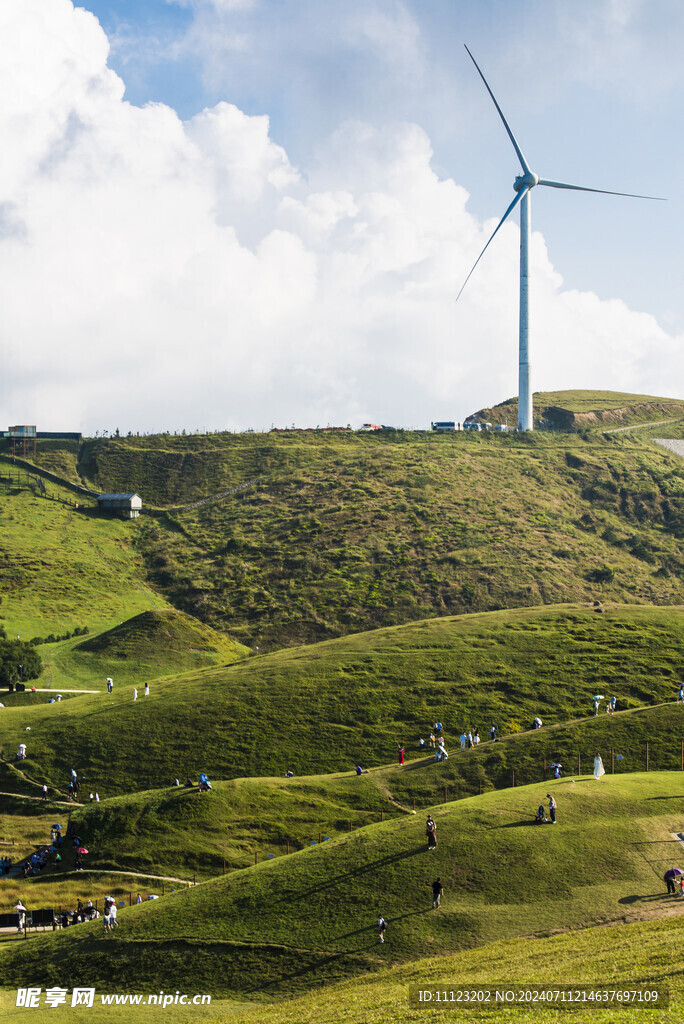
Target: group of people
{"x":610,"y":706}
{"x":5,"y":865}
{"x":204,"y":784}
{"x":84,"y":912}
{"x":541,"y":812}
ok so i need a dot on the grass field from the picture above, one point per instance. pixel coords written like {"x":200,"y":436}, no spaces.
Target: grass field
{"x":326,"y":707}
{"x":362,"y":532}
{"x":335,"y":534}
{"x":61,"y":569}
{"x":578,"y":410}
{"x":296,"y":922}
{"x":145,"y":647}
{"x":615,"y":955}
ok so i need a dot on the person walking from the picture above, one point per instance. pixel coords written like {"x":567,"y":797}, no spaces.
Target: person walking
{"x":611,"y":706}
{"x":44,"y":791}
{"x":432,"y":739}
{"x":680,"y":698}
{"x":147,"y":689}
{"x":463,"y":739}
{"x":21,"y":915}
{"x":492,"y":732}
{"x":599,"y":770}
{"x":112,"y":916}
{"x":382,"y":928}
{"x":552,"y":809}
{"x":135,"y":694}
{"x":476,"y":737}
{"x":138,"y":899}
{"x":110,"y":684}
{"x":431,"y":832}
{"x":437,"y":890}
{"x":400,"y":754}
{"x":596,"y":706}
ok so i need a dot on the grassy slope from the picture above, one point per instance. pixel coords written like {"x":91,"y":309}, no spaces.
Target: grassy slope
{"x":309,"y":918}
{"x":575,"y":410}
{"x":60,"y":568}
{"x":323,"y":708}
{"x":354,"y":532}
{"x":344,"y":533}
{"x":147,"y":646}
{"x":619,"y":956}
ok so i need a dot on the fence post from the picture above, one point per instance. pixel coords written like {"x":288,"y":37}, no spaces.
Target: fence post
{"x":646,"y":755}
{"x":194,"y":878}
{"x":544,"y":779}
{"x":414,"y":799}
{"x":579,"y":764}
{"x":382,"y":816}
{"x":445,"y":794}
{"x":612,"y":760}
{"x":163,"y":889}
{"x":130,"y":899}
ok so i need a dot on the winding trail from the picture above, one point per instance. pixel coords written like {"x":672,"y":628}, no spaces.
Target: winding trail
{"x":640,"y":426}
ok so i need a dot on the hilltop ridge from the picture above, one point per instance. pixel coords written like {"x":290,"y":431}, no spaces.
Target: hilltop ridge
{"x":580,"y":410}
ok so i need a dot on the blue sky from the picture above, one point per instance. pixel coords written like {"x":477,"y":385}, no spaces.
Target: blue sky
{"x":591,"y":90}
{"x":324,"y":137}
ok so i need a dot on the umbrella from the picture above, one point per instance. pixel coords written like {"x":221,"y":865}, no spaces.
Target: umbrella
{"x":599,"y":696}
{"x":81,"y":849}
{"x":555,"y":765}
{"x":673,"y":873}
{"x":538,"y":719}
{"x":57,"y":827}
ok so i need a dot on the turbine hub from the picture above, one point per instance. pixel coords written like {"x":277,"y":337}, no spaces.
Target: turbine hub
{"x":528,"y":180}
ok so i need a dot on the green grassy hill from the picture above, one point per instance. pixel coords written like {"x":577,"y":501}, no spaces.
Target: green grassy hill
{"x":298,"y":921}
{"x":315,"y":535}
{"x":358,"y":532}
{"x":617,"y":956}
{"x":150,"y":645}
{"x":579,"y":410}
{"x":61,"y":568}
{"x":326,"y":707}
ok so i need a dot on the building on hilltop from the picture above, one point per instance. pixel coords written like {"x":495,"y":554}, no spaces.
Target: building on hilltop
{"x":127,"y":506}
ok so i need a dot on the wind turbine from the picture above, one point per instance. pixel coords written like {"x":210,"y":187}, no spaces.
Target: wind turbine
{"x":523,"y":185}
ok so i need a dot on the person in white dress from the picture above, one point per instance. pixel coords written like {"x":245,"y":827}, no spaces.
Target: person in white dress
{"x":599,"y":770}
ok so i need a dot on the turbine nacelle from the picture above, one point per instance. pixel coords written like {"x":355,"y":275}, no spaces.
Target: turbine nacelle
{"x":528,"y":180}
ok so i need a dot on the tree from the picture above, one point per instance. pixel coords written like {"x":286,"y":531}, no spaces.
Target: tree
{"x":18,"y":661}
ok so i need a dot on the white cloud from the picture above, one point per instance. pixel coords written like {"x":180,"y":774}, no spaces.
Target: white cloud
{"x":161,"y":274}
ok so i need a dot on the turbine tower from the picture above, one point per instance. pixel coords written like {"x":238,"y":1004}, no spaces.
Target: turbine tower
{"x":523,"y":185}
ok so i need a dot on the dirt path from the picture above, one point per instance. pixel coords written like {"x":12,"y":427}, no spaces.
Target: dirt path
{"x":126,"y":874}
{"x":639,"y":426}
{"x":59,"y":689}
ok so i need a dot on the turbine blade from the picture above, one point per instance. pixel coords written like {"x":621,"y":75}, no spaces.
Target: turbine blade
{"x":510,"y":209}
{"x":604,"y":191}
{"x":521,"y":158}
